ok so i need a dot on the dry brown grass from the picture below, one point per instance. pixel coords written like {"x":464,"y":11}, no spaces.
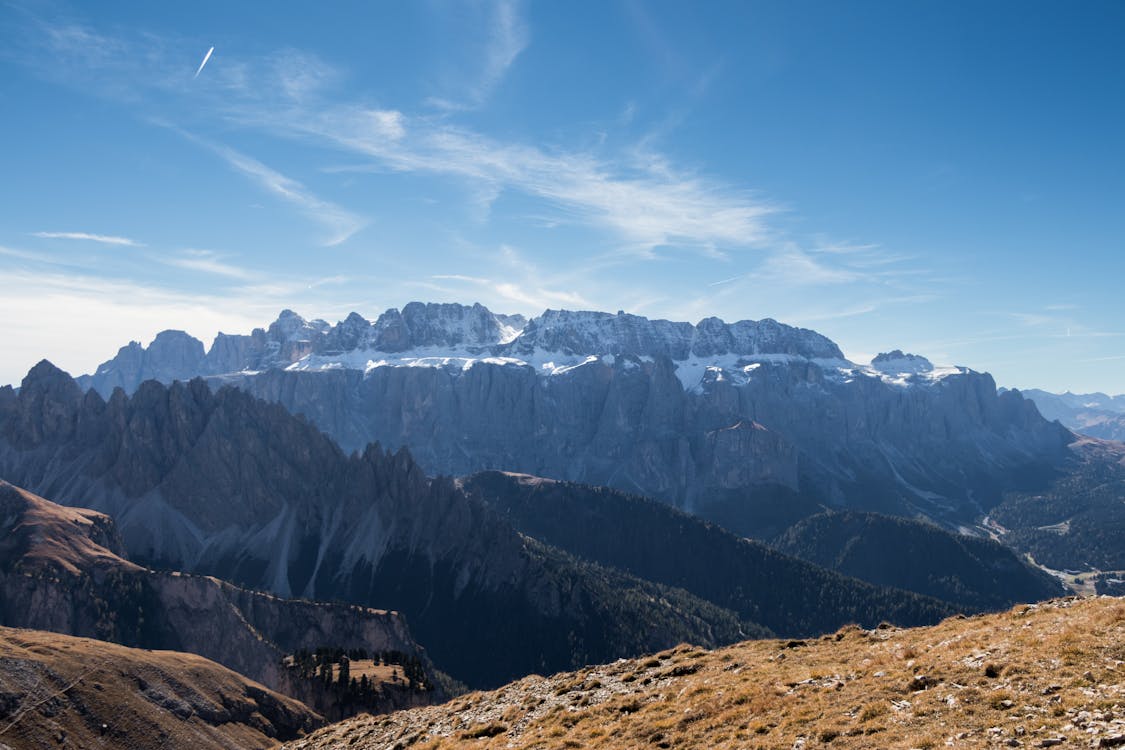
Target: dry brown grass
{"x":66,"y":692}
{"x":1030,"y":676}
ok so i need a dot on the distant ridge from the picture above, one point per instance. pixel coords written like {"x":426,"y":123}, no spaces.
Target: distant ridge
{"x":1093,"y":414}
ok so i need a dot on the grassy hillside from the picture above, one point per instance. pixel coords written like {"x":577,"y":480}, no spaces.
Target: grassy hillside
{"x":59,"y":691}
{"x":1040,"y":675}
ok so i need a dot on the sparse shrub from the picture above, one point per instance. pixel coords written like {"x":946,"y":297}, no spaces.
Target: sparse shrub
{"x":484,"y":731}
{"x":1001,"y":700}
{"x":631,"y":706}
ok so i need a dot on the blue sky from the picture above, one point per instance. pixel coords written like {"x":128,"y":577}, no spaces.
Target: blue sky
{"x":945,"y":178}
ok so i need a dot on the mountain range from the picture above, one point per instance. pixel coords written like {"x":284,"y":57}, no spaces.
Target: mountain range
{"x":1093,"y":414}
{"x":755,"y":425}
{"x":718,"y":419}
{"x":223,"y":484}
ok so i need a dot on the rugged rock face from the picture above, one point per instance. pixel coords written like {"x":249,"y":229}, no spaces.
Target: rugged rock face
{"x":174,"y":355}
{"x":60,"y":691}
{"x":715,"y":418}
{"x":431,"y":325}
{"x":223,"y":484}
{"x":63,"y":570}
{"x":169,"y":355}
{"x":944,"y":447}
{"x":596,"y":333}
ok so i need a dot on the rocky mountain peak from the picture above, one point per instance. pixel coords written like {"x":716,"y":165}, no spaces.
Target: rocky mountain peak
{"x":896,"y":362}
{"x":353,"y":332}
{"x":174,"y":351}
{"x":172,"y":339}
{"x":587,"y":333}
{"x":47,"y":379}
{"x":430,"y":325}
{"x":290,"y":326}
{"x":48,"y":401}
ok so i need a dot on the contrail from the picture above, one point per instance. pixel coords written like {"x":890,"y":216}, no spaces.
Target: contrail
{"x":205,"y":59}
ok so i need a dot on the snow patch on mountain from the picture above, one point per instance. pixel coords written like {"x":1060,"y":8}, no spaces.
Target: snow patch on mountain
{"x":459,"y":337}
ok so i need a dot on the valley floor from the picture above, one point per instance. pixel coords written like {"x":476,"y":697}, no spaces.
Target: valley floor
{"x":1040,"y":675}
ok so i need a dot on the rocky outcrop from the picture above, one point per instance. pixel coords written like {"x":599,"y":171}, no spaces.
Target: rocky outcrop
{"x":896,"y":363}
{"x":448,"y":326}
{"x":63,"y":570}
{"x":168,"y":357}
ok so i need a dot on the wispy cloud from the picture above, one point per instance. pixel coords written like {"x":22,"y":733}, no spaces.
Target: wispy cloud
{"x":8,"y":252}
{"x":504,"y":36}
{"x":516,"y":281}
{"x":637,"y":194}
{"x":105,"y":239}
{"x":1104,"y":359}
{"x":532,"y":299}
{"x":340,"y":223}
{"x":507,"y":40}
{"x":647,"y":206}
{"x":206,"y":261}
{"x":1033,"y":319}
{"x":793,"y":267}
{"x":804,"y":318}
